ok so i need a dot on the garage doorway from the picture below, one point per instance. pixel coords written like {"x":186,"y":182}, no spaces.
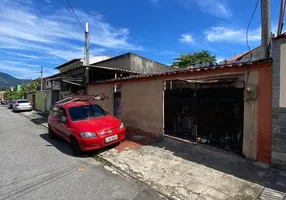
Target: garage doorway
{"x":205,"y":112}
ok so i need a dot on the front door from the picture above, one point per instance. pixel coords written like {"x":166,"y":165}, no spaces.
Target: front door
{"x":117,"y":101}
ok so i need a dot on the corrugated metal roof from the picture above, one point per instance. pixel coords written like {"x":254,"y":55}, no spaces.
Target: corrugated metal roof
{"x":115,"y":69}
{"x":93,"y":66}
{"x":67,"y":63}
{"x":184,"y":71}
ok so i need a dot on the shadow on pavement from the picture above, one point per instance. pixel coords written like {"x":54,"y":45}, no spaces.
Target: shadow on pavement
{"x":58,"y":143}
{"x":41,"y":113}
{"x":64,"y":147}
{"x":226,"y":163}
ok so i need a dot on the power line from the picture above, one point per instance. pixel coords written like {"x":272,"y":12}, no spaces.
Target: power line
{"x":247,"y":30}
{"x":75,"y":15}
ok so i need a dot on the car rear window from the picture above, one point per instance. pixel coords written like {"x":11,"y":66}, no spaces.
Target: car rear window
{"x":86,"y":111}
{"x":23,"y":101}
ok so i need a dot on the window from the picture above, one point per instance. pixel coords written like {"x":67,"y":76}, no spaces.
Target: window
{"x":61,"y":113}
{"x":86,"y":111}
{"x":23,"y":101}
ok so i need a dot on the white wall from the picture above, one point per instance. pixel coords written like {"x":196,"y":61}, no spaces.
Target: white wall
{"x":95,"y":59}
{"x":47,"y":85}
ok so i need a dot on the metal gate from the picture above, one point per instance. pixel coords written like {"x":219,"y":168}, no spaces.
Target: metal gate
{"x":180,"y":113}
{"x":117,"y":101}
{"x":213,"y":116}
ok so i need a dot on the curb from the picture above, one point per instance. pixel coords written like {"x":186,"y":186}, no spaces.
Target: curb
{"x":132,"y":177}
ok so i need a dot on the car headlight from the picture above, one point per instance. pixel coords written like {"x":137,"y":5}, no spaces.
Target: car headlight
{"x":121,"y":125}
{"x":87,"y":135}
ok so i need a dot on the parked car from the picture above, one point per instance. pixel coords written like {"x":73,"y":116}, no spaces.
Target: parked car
{"x":10,"y":104}
{"x":22,"y":105}
{"x":3,"y":102}
{"x":85,"y":125}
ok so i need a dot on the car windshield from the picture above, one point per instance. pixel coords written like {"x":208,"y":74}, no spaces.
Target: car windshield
{"x":23,"y":101}
{"x":86,"y":111}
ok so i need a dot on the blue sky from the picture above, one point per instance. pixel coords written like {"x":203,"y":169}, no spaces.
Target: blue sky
{"x":43,"y":32}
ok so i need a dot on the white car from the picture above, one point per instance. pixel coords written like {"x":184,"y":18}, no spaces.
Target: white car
{"x":22,"y":105}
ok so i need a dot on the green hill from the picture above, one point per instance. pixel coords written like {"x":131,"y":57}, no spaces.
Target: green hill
{"x":7,"y":80}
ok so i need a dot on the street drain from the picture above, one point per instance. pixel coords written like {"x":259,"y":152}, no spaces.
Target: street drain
{"x":269,"y":194}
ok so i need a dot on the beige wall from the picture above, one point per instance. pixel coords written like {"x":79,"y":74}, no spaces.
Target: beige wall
{"x":142,"y":108}
{"x":142,"y":105}
{"x":249,"y":148}
{"x":40,"y":100}
{"x":107,"y":90}
{"x":2,"y":95}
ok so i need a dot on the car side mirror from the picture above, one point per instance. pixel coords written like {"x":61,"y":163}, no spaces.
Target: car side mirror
{"x":63,"y":120}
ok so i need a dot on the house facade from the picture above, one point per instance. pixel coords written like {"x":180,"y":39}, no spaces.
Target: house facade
{"x":226,"y":106}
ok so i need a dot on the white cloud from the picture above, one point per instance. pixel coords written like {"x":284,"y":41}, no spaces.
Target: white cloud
{"x":186,"y":38}
{"x":218,"y":8}
{"x":221,"y":33}
{"x":28,"y":35}
{"x":29,"y":56}
{"x":50,"y":31}
{"x":48,"y":1}
{"x":8,"y":62}
{"x":220,"y":59}
{"x":21,"y":71}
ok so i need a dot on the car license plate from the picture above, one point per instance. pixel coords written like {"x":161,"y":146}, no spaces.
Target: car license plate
{"x":111,"y":138}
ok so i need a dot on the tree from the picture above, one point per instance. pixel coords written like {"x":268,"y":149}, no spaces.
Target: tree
{"x":32,"y":86}
{"x":12,"y":95}
{"x":189,"y":59}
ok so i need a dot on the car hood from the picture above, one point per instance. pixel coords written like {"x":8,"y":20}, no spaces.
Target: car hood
{"x":97,"y":124}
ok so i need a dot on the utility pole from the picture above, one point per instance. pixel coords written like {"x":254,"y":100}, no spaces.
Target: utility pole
{"x":86,"y":53}
{"x":41,"y":78}
{"x":281,"y":17}
{"x":265,"y":27}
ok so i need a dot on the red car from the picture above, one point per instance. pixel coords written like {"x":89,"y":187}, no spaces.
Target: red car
{"x":85,"y":125}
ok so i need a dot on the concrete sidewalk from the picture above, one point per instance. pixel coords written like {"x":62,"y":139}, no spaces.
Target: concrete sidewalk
{"x":186,"y":171}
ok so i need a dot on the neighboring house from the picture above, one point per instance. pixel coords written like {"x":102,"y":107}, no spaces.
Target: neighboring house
{"x":12,"y":88}
{"x":80,"y":62}
{"x":135,"y":63}
{"x":254,"y":54}
{"x":74,"y":74}
{"x":2,"y":95}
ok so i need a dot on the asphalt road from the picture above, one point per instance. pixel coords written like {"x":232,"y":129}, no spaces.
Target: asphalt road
{"x":34,"y":167}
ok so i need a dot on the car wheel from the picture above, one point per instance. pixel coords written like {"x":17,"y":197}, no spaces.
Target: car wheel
{"x":75,"y":147}
{"x":51,"y":133}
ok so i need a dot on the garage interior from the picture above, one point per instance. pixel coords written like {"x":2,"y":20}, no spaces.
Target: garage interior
{"x":206,"y":111}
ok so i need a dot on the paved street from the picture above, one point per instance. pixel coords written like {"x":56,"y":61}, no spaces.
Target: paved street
{"x":34,"y":167}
